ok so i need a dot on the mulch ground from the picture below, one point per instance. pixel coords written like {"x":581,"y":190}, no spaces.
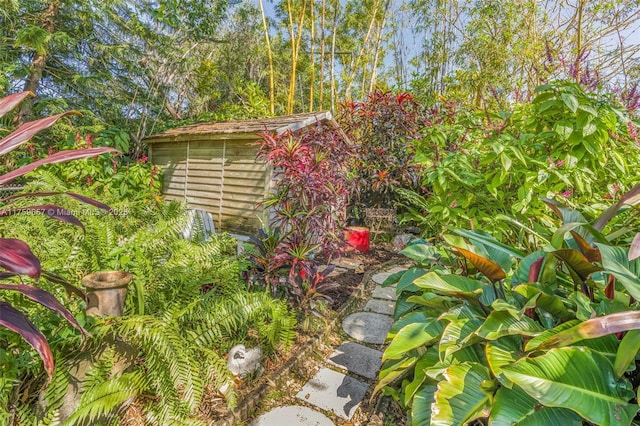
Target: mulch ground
{"x":350,"y":279}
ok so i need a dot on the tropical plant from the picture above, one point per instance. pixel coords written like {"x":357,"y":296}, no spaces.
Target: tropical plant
{"x":128,"y":175}
{"x":167,"y":352}
{"x":309,"y":206}
{"x":479,"y":337}
{"x":16,"y":256}
{"x":383,"y":128}
{"x":486,"y":169}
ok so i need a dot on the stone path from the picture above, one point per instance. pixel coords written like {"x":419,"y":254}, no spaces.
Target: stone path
{"x":331,"y":390}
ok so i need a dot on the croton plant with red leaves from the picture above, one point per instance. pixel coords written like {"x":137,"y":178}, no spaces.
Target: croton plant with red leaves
{"x":16,"y":257}
{"x":311,"y":190}
{"x":383,"y":128}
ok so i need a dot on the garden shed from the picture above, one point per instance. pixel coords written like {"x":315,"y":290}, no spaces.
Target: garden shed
{"x":213,"y":166}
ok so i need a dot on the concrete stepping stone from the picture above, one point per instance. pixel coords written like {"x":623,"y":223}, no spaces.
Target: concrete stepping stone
{"x":346,"y":263}
{"x":335,"y":392}
{"x":380,"y":277}
{"x":368,"y":327}
{"x":293,"y":415}
{"x":380,"y":306}
{"x":384,"y":293}
{"x":357,"y":359}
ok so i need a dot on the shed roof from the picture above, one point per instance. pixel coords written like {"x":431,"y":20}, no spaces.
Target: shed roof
{"x":246,"y":128}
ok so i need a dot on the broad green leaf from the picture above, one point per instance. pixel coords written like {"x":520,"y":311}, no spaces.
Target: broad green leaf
{"x":578,"y":379}
{"x":537,"y":340}
{"x":487,"y":267}
{"x":548,"y":274}
{"x":570,"y":101}
{"x":584,"y":310}
{"x":403,"y":306}
{"x":488,"y":240}
{"x":411,"y":318}
{"x":502,"y":323}
{"x":464,"y":395}
{"x":393,"y":370}
{"x":588,"y":108}
{"x":627,"y":351}
{"x":421,"y":408}
{"x":513,"y":407}
{"x":543,"y":96}
{"x":428,"y":360}
{"x":593,"y":328}
{"x":503,"y":351}
{"x":405,"y":283}
{"x":615,"y":261}
{"x":413,"y":336}
{"x":468,"y":354}
{"x":455,"y":240}
{"x":392,"y":279}
{"x":549,"y":302}
{"x":463,"y":322}
{"x":421,"y":253}
{"x":450,"y":284}
{"x":606,"y":345}
{"x":589,"y":129}
{"x":434,"y":304}
{"x":563,"y":129}
{"x":557,"y":240}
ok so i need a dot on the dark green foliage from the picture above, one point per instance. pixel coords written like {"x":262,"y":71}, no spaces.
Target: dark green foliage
{"x":486,"y":332}
{"x":487,"y":170}
{"x":186,"y":307}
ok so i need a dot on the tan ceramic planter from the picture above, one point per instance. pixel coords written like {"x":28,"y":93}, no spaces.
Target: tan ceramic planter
{"x":106,"y":292}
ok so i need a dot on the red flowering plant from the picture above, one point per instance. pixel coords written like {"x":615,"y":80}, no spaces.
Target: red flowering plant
{"x":309,"y":208}
{"x":16,"y":257}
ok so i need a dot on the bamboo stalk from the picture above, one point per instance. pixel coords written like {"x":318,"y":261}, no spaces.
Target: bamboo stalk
{"x":272,"y":103}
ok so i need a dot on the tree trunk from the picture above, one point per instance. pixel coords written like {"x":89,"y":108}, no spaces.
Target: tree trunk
{"x":272,"y":102}
{"x":579,"y":47}
{"x":322,"y":47}
{"x":295,"y":50}
{"x":374,"y":66}
{"x":38,"y":63}
{"x":333,"y":56}
{"x":313,"y":58}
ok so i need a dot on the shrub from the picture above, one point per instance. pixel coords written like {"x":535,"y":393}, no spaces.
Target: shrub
{"x":482,"y":168}
{"x":16,"y":256}
{"x":309,"y":206}
{"x":549,"y":339}
{"x":383,"y":128}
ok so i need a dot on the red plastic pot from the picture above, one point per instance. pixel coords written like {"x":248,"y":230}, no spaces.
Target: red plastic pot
{"x":358,"y":237}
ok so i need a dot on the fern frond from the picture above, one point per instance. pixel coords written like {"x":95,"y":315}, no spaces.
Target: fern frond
{"x":103,"y":401}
